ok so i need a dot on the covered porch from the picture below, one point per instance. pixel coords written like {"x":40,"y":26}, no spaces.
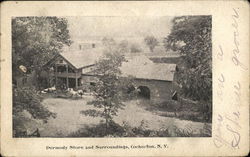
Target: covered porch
{"x":67,"y":77}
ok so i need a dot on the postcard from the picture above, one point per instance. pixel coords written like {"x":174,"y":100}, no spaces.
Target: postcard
{"x":125,"y":78}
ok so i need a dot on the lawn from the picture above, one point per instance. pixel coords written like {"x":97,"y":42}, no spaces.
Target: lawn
{"x":69,"y":119}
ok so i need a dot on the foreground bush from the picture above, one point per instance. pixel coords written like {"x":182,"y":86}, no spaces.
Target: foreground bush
{"x":184,"y":110}
{"x":27,"y":100}
{"x":125,"y":130}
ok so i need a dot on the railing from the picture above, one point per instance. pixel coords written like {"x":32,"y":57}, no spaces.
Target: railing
{"x":64,"y":74}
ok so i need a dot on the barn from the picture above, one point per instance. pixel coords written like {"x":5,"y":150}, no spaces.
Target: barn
{"x":155,"y":80}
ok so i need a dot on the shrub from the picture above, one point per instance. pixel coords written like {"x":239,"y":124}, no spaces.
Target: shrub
{"x":135,"y":48}
{"x":125,"y":130}
{"x":27,"y":99}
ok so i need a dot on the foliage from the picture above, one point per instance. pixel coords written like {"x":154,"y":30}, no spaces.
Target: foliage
{"x":183,"y":109}
{"x":135,"y":48}
{"x":107,"y":41}
{"x":26,"y":99}
{"x":36,"y":39}
{"x":109,"y":44}
{"x":108,"y":88}
{"x":170,"y":106}
{"x":125,"y":130}
{"x":99,"y":130}
{"x":191,"y":36}
{"x":151,"y":41}
{"x":123,"y":46}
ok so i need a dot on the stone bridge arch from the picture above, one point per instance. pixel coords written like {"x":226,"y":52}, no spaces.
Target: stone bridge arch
{"x":155,"y":90}
{"x":144,"y":92}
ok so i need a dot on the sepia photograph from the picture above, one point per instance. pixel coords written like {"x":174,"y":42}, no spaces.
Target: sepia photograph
{"x":124,"y":78}
{"x":111,"y":76}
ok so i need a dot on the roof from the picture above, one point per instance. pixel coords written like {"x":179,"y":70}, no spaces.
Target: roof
{"x":143,"y":68}
{"x":140,"y":67}
{"x":80,"y":59}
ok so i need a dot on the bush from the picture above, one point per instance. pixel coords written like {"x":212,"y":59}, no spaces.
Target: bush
{"x":135,"y":48}
{"x":184,"y":109}
{"x":125,"y":130}
{"x":170,"y":105}
{"x":27,"y":99}
{"x":114,"y":130}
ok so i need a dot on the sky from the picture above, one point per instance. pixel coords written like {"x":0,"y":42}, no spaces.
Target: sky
{"x":90,"y":27}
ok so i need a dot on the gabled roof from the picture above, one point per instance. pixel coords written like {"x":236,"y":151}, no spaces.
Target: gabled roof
{"x":51,"y":61}
{"x":80,"y":59}
{"x":143,"y":68}
{"x":140,"y":67}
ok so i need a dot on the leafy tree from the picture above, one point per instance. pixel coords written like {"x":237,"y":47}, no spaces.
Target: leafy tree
{"x":123,"y":46}
{"x":151,"y":42}
{"x":191,"y":36}
{"x":35,"y":40}
{"x":26,"y":99}
{"x":109,"y":43}
{"x":135,"y":48}
{"x":108,"y":89}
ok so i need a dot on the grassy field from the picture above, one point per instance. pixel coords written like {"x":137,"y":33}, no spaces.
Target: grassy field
{"x":135,"y":115}
{"x":183,"y":110}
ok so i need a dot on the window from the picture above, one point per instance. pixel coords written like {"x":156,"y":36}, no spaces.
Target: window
{"x":61,"y":68}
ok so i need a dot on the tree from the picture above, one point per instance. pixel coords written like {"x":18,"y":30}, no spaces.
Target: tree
{"x":191,"y":36}
{"x":123,"y":46}
{"x":151,"y":42}
{"x":26,"y":99}
{"x":135,"y":48}
{"x":108,"y":89}
{"x":109,"y":44}
{"x":35,"y":40}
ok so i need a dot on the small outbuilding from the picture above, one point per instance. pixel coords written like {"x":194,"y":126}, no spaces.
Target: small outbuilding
{"x":154,"y":80}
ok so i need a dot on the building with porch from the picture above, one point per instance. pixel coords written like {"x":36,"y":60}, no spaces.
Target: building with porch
{"x":68,"y":69}
{"x":75,"y":70}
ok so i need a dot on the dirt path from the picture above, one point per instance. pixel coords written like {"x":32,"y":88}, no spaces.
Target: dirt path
{"x":69,"y":118}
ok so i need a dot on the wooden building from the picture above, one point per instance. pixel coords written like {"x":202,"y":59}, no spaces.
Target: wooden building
{"x":67,"y":69}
